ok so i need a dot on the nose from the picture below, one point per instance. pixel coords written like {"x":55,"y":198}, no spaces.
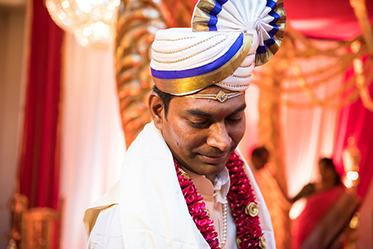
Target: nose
{"x":219,"y":137}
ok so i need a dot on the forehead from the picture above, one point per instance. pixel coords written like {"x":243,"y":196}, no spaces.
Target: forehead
{"x":208,"y":105}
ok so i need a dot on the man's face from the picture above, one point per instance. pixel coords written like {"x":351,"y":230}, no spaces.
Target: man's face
{"x":202,"y":133}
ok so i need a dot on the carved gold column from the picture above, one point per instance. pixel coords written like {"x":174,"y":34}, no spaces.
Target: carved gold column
{"x":361,"y":13}
{"x":138,"y":21}
{"x":351,"y":157}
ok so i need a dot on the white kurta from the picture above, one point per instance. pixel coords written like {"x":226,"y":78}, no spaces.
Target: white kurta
{"x":147,"y":209}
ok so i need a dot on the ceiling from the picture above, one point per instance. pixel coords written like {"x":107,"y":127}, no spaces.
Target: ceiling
{"x":325,"y":19}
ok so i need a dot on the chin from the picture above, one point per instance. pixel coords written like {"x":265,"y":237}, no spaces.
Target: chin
{"x":215,"y":168}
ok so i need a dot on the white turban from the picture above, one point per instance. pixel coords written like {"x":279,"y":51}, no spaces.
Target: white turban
{"x":227,"y":39}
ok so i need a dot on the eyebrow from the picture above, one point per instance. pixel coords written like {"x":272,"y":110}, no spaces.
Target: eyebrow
{"x":239,"y":109}
{"x":197,"y":112}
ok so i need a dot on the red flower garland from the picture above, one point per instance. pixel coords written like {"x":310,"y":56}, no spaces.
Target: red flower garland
{"x":239,"y":196}
{"x":197,"y":208}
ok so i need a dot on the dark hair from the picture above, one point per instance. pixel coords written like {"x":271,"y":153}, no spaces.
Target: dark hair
{"x":165,"y":97}
{"x":330,"y":165}
{"x":259,"y":157}
{"x":259,"y":152}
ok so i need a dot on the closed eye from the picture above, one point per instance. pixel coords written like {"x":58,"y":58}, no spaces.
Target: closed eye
{"x":234,"y":120}
{"x":235,"y":117}
{"x":199,"y":125}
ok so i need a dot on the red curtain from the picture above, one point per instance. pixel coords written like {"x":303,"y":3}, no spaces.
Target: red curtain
{"x":336,"y":20}
{"x":356,"y":120}
{"x":39,"y":171}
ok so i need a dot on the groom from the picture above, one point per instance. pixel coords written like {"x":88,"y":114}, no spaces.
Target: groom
{"x":183,"y":182}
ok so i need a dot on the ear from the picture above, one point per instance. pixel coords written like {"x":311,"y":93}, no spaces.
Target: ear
{"x":156,"y":108}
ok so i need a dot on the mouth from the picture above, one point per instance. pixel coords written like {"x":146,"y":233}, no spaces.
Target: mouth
{"x":214,"y":159}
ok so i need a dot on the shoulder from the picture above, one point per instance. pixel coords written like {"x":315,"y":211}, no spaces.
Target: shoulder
{"x":107,"y":231}
{"x":308,"y":189}
{"x":310,"y":185}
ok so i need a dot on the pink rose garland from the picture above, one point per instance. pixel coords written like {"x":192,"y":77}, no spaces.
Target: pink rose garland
{"x":197,"y":208}
{"x":239,"y":196}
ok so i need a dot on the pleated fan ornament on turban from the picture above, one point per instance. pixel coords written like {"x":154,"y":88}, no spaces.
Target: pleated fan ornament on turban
{"x":227,"y":39}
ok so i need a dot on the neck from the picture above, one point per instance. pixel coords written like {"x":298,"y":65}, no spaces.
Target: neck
{"x":325,"y":185}
{"x":211,"y":178}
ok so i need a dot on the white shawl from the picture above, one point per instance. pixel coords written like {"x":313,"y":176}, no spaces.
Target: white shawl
{"x":153,"y":211}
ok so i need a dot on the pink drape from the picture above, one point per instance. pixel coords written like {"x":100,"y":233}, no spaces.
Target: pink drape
{"x":39,"y":162}
{"x":356,"y":120}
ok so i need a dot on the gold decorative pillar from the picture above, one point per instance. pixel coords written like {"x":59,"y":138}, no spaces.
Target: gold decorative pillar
{"x":351,"y":159}
{"x":361,"y":13}
{"x":138,"y":21}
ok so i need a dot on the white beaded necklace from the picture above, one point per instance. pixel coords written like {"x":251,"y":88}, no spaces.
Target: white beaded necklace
{"x":225,"y":225}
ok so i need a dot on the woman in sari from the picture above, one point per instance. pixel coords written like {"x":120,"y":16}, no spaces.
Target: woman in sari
{"x":328,"y":209}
